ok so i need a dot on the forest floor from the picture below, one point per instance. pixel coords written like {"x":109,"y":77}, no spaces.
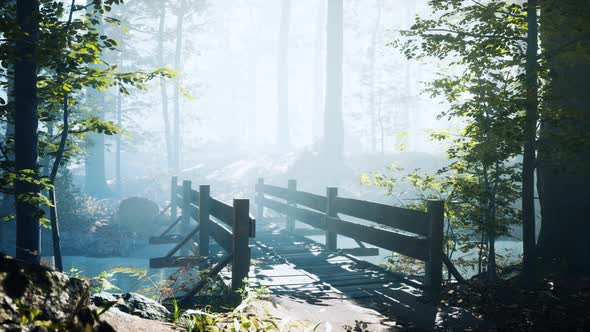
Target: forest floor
{"x":559,"y":303}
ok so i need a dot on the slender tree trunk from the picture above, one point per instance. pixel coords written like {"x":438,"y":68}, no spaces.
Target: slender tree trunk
{"x":564,"y":139}
{"x":176,"y":98}
{"x":164,"y":88}
{"x":319,"y":71}
{"x":251,"y":116}
{"x":26,"y":123}
{"x":528,"y":164}
{"x":373,"y":74}
{"x":283,"y":140}
{"x":95,"y":178}
{"x":333,"y":125}
{"x":52,"y":176}
{"x":118,"y":180}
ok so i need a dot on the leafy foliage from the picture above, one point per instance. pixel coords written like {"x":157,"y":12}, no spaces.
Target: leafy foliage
{"x":483,"y":48}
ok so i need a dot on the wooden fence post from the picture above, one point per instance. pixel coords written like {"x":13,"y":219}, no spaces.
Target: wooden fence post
{"x":259,"y":199}
{"x":331,"y":237}
{"x":241,"y":249}
{"x":433,"y":275}
{"x":186,"y":213}
{"x":204,"y":192}
{"x":173,"y":203}
{"x":292,"y":186}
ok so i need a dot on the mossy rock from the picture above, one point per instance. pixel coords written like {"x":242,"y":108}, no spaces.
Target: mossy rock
{"x":139,"y":215}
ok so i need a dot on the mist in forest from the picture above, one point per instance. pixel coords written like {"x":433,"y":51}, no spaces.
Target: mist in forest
{"x":255,"y":79}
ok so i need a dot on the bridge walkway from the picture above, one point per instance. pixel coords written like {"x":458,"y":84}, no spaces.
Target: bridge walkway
{"x":338,"y":287}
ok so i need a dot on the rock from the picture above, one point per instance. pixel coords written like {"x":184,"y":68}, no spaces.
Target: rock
{"x":121,"y":321}
{"x":133,"y":304}
{"x":138,"y":215}
{"x":28,"y":288}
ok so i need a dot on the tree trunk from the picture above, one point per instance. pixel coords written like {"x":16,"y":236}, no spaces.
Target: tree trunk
{"x":283,"y":140}
{"x":176,"y":102}
{"x":7,"y":206}
{"x":118,"y":180}
{"x":164,"y":88}
{"x":94,"y":161}
{"x":528,"y":164}
{"x":319,"y":71}
{"x":26,"y":123}
{"x":333,"y":126}
{"x":563,"y":158}
{"x":373,"y":74}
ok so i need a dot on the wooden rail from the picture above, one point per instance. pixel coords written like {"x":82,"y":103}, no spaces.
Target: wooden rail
{"x":230,"y":226}
{"x":412,"y":233}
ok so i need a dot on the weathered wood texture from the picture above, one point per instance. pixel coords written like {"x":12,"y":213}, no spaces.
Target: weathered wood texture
{"x":240,"y":246}
{"x":409,"y":232}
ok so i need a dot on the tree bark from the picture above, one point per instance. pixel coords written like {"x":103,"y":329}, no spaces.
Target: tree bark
{"x":333,"y":126}
{"x":319,"y":71}
{"x":283,"y":139}
{"x":373,"y":74}
{"x":26,"y":123}
{"x":530,"y":136}
{"x":564,"y":140}
{"x":176,"y":98}
{"x":94,"y":161}
{"x":164,"y":88}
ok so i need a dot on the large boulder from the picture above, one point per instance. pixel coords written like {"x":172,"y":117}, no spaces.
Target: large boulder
{"x":36,"y":291}
{"x":139,"y":215}
{"x":133,"y":304}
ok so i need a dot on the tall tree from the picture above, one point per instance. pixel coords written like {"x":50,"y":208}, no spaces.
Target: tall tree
{"x":95,"y":181}
{"x":7,"y":204}
{"x":319,"y":71}
{"x":530,"y":137}
{"x":333,"y":124}
{"x":372,"y":74}
{"x":26,"y":122}
{"x":564,"y":140}
{"x":283,"y":137}
{"x":180,"y":16}
{"x":163,"y":85}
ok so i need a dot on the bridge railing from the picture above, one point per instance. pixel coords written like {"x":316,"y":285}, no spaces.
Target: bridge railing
{"x":230,"y":226}
{"x":412,"y":233}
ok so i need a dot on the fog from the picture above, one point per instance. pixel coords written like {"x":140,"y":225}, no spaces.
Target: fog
{"x":229,"y":82}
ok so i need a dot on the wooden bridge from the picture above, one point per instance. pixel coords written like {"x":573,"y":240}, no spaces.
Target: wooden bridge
{"x":290,"y":264}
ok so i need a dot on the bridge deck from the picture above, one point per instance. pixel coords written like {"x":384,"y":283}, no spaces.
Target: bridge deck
{"x":293,"y":266}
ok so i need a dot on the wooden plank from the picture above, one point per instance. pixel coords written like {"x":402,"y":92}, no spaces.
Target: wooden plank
{"x":309,"y":200}
{"x":195,"y":196}
{"x":412,"y":246}
{"x":221,"y":234}
{"x":433,"y":275}
{"x":412,"y":221}
{"x":204,"y":201}
{"x":309,"y":232}
{"x":312,"y":218}
{"x":166,"y":239}
{"x":164,"y":262}
{"x":331,"y":236}
{"x":361,"y":252}
{"x":221,"y":210}
{"x":194,"y":211}
{"x":240,"y":243}
{"x":275,"y":205}
{"x":278,"y":192}
{"x":169,"y":228}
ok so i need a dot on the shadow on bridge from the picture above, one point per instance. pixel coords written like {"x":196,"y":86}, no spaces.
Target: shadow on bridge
{"x":318,"y":276}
